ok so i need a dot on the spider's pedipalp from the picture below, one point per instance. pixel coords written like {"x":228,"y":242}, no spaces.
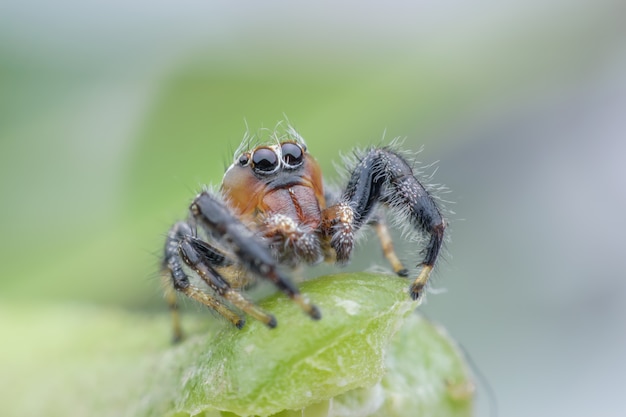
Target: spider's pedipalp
{"x":338,"y":226}
{"x":296,"y":243}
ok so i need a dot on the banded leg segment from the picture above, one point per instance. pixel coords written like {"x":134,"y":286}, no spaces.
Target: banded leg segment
{"x":195,"y":260}
{"x":179,"y":281}
{"x":382,"y":231}
{"x":382,"y":176}
{"x":172,"y":303}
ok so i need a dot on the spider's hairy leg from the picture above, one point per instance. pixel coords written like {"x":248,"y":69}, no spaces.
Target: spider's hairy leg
{"x":255,"y":256}
{"x":383,"y":176}
{"x":179,"y":281}
{"x":424,"y":215}
{"x":172,"y":273}
{"x":172,"y":303}
{"x":382,"y":231}
{"x":191,"y":251}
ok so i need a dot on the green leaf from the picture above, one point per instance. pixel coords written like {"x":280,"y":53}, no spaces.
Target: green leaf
{"x":369,"y":355}
{"x":339,"y":362}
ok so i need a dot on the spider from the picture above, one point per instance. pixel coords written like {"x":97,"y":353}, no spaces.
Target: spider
{"x":272,"y":213}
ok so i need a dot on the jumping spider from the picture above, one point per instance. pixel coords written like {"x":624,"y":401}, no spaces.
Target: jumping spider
{"x":272,"y":213}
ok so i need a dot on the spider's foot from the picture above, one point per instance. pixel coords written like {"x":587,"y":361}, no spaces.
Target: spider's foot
{"x":177,"y":337}
{"x":403,"y":272}
{"x":308,"y":308}
{"x":266,"y":318}
{"x":416,"y":291}
{"x":177,"y":330}
{"x":420,"y":282}
{"x":271,"y":323}
{"x":240,"y":323}
{"x":315,"y":313}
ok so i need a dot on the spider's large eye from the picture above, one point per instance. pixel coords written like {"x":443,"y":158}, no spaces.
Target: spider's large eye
{"x":292,"y":154}
{"x":264,"y":160}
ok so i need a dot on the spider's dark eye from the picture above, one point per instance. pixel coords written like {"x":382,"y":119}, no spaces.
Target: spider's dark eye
{"x":264,"y":160}
{"x":244,"y":159}
{"x":292,"y":154}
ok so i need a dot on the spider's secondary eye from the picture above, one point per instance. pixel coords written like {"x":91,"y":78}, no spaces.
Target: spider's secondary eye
{"x":292,"y":154}
{"x":244,"y":159}
{"x":264,"y":160}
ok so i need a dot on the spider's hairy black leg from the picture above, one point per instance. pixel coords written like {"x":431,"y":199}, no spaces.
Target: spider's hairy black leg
{"x":172,"y":273}
{"x":386,"y":177}
{"x":191,"y":252}
{"x":179,"y":281}
{"x":215,"y":217}
{"x":379,"y":224}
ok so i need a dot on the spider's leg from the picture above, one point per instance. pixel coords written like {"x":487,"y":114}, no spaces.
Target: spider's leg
{"x":172,"y":303}
{"x":192,"y":253}
{"x":250,"y":251}
{"x":382,"y":176}
{"x":379,"y":224}
{"x":179,"y":281}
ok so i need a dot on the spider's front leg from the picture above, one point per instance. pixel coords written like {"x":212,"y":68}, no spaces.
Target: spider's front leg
{"x":249,"y":250}
{"x":383,"y":176}
{"x":182,"y":247}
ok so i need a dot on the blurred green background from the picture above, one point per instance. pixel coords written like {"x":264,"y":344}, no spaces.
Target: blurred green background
{"x":113,"y":115}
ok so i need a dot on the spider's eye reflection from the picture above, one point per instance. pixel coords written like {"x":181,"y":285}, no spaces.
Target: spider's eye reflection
{"x":264,"y":160}
{"x":292,"y":154}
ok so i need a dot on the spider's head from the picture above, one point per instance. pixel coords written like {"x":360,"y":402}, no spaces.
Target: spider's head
{"x":258,"y":172}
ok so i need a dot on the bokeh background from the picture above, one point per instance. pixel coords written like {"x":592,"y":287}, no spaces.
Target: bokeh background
{"x":113,"y":114}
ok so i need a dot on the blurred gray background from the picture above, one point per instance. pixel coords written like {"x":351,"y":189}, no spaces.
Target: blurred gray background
{"x":113,"y":114}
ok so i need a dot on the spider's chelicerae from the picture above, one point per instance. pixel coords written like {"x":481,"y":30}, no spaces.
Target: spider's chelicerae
{"x":272,"y":213}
